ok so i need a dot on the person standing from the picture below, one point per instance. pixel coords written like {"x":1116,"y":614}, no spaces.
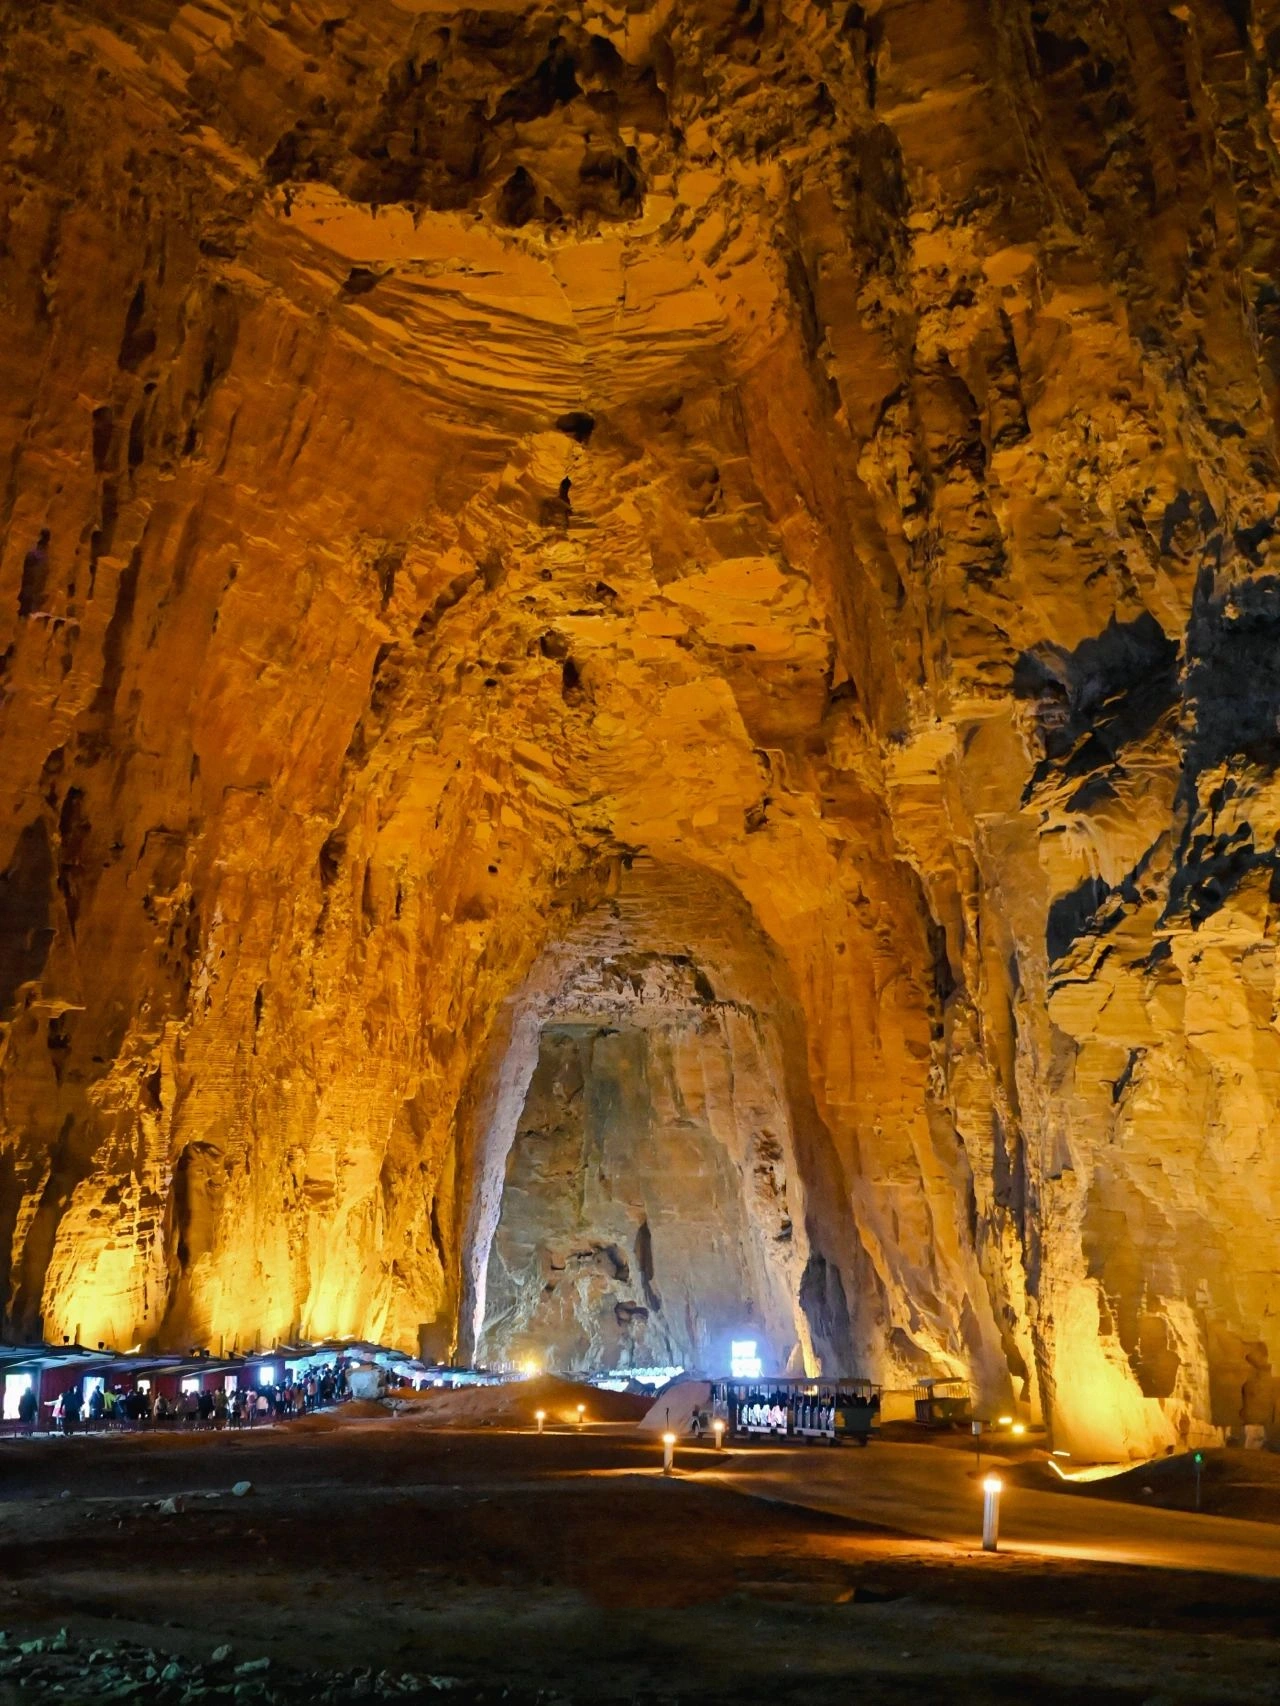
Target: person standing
{"x":72,"y":1402}
{"x":28,"y":1408}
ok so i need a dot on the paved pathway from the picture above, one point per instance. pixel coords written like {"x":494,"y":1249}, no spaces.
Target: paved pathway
{"x":932,"y":1492}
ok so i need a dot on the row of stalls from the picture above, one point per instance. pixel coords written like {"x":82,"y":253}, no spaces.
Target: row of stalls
{"x":51,"y":1371}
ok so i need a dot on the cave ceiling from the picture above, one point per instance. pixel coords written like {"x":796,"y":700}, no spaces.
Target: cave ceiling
{"x":747,"y":523}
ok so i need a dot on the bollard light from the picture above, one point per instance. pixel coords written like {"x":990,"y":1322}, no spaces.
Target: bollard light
{"x":668,"y":1452}
{"x":1019,"y":1428}
{"x":717,"y":1428}
{"x":540,"y":1417}
{"x":582,"y":1414}
{"x":991,"y":1512}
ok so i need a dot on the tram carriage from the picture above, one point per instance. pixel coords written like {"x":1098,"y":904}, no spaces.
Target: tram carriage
{"x":943,"y":1403}
{"x":809,"y":1409}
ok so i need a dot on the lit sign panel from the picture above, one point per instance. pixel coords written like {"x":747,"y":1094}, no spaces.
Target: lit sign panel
{"x":14,"y":1386}
{"x":744,"y":1364}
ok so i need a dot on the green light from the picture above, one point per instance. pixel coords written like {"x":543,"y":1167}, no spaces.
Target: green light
{"x":1199,"y":1458}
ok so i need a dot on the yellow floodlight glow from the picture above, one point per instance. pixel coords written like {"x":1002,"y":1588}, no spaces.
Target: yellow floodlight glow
{"x":991,"y":1512}
{"x":1019,"y":1428}
{"x":668,"y":1439}
{"x":529,"y":1368}
{"x":1091,"y":1471}
{"x":1005,"y":1421}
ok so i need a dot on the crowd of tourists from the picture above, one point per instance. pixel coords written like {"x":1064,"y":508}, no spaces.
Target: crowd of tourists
{"x":241,"y":1407}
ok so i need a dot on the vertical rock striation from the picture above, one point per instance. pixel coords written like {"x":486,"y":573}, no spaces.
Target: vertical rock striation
{"x":487,"y":495}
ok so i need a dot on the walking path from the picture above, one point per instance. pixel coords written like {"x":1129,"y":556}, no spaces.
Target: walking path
{"x":919,"y":1490}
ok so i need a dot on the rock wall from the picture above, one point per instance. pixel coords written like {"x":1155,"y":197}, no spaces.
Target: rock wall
{"x":624,"y":1240}
{"x":826,"y":450}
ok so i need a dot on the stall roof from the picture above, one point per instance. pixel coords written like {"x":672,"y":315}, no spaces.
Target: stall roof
{"x":40,"y":1356}
{"x":19,"y":1357}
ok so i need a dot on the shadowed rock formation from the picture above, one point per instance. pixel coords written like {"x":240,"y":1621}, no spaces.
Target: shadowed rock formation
{"x":491,"y":495}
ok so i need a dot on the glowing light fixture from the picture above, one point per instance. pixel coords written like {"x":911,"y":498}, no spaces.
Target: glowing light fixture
{"x":540,"y":1417}
{"x":1019,"y":1428}
{"x":991,"y":1489}
{"x":582,"y":1414}
{"x":668,"y":1452}
{"x":744,"y":1364}
{"x":717,"y":1428}
{"x":1005,"y":1421}
{"x":529,"y":1368}
{"x":14,"y":1386}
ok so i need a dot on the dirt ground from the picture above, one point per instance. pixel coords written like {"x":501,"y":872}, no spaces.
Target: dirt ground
{"x":557,"y":1567}
{"x":516,"y":1403}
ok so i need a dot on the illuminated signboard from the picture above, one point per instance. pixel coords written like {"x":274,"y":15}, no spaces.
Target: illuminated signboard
{"x":744,"y":1364}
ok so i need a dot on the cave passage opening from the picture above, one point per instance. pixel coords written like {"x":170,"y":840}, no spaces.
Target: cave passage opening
{"x":650,"y":1182}
{"x":625,"y":1239}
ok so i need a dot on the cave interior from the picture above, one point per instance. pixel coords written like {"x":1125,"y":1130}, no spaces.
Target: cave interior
{"x":639,"y":690}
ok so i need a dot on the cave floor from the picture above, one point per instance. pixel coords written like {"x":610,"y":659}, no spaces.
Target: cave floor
{"x":564,"y":1567}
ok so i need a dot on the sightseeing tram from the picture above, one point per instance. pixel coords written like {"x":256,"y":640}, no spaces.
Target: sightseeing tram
{"x":806,"y":1409}
{"x":943,"y":1403}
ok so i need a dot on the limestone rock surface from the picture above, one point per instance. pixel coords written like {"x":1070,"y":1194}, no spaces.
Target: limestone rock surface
{"x":496,"y":501}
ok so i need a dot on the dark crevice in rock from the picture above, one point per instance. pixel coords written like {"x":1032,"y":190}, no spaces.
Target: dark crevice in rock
{"x":26,"y":925}
{"x":1071,"y":914}
{"x":70,"y":1162}
{"x":138,"y":340}
{"x":826,"y":1308}
{"x":1110,"y":690}
{"x":35,"y":577}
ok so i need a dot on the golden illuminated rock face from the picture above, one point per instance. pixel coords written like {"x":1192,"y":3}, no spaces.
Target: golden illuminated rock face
{"x":794,"y":482}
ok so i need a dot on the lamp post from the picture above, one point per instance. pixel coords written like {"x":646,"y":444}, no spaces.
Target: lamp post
{"x":668,"y":1452}
{"x":991,"y":1512}
{"x":1198,"y":1461}
{"x":540,"y":1416}
{"x":582,"y":1414}
{"x":717,"y":1428}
